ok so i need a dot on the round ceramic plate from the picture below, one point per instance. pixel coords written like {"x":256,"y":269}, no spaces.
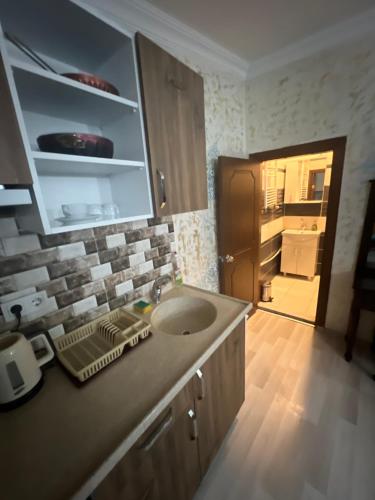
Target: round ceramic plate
{"x":77,"y":220}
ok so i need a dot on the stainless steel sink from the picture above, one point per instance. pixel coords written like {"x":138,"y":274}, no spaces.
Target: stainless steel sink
{"x":183,"y":315}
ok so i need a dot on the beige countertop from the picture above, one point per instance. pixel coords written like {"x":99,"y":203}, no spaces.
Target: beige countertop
{"x":63,"y":442}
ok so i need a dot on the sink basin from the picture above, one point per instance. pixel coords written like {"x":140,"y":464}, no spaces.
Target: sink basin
{"x":183,"y":315}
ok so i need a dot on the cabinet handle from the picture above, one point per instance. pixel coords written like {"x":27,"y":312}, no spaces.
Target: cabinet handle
{"x":154,"y":436}
{"x":194,"y":433}
{"x":177,"y":85}
{"x":162,"y":188}
{"x":202,"y":394}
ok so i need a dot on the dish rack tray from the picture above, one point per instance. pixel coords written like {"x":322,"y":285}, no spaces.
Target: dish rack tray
{"x":90,"y":348}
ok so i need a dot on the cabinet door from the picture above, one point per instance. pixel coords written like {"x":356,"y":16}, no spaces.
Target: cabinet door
{"x":164,"y":463}
{"x":288,"y":259}
{"x":14,"y":165}
{"x":306,"y":260}
{"x":173,"y":104}
{"x":220,"y":394}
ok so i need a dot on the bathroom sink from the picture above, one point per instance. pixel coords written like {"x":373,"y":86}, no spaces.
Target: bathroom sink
{"x":183,"y":315}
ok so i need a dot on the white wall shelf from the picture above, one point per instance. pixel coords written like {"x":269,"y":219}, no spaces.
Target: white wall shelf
{"x":12,"y":197}
{"x":24,"y":68}
{"x":72,"y":39}
{"x":59,"y":164}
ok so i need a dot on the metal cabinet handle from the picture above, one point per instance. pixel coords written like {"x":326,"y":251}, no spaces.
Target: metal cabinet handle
{"x":154,"y":436}
{"x":194,"y":432}
{"x":227,"y":259}
{"x":163,"y":196}
{"x":202,"y":394}
{"x":175,"y":83}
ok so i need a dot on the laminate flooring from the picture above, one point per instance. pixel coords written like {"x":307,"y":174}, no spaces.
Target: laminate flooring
{"x":306,"y":430}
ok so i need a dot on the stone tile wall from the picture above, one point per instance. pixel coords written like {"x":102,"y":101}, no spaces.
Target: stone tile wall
{"x":82,"y":274}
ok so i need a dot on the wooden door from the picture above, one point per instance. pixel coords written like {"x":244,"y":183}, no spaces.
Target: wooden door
{"x":164,"y":463}
{"x":238,"y":200}
{"x":14,"y":165}
{"x":173,"y":105}
{"x":221,"y":392}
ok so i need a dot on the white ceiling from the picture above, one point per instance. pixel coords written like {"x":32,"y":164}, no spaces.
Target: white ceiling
{"x":253,"y":29}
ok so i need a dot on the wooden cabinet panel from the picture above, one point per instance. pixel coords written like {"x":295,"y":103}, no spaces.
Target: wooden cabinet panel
{"x":173,"y":104}
{"x":14,"y":165}
{"x":223,"y":387}
{"x":164,"y":463}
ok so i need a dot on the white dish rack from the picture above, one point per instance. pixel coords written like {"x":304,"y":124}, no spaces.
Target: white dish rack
{"x":90,"y":348}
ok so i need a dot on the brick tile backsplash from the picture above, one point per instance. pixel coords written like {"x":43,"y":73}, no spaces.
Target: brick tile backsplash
{"x":84,"y":273}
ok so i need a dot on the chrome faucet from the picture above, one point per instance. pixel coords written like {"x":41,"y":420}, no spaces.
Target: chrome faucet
{"x":157,"y":287}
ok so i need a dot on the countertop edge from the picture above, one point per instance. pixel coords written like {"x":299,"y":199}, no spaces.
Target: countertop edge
{"x":89,"y":486}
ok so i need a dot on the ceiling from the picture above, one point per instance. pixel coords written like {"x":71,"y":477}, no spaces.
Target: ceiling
{"x":253,"y":29}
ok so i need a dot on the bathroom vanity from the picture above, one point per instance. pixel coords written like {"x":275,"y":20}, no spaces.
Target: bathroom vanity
{"x":147,"y":426}
{"x":299,"y":252}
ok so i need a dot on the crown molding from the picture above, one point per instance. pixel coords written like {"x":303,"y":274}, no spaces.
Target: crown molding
{"x":340,"y":33}
{"x":171,"y":34}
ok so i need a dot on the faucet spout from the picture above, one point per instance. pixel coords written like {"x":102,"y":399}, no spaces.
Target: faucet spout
{"x":157,"y":287}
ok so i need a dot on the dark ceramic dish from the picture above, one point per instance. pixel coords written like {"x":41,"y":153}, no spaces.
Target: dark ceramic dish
{"x":76,"y":144}
{"x":93,"y":81}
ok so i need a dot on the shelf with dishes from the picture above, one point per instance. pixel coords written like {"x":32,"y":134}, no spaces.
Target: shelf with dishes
{"x":76,"y":95}
{"x":36,"y":76}
{"x":62,"y":164}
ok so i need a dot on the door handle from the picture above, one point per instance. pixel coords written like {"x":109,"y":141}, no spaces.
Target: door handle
{"x":194,"y":432}
{"x":154,"y":436}
{"x":163,"y":196}
{"x":202,"y":394}
{"x":226,"y":259}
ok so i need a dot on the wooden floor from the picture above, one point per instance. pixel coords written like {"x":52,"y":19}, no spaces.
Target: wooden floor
{"x":307,"y":428}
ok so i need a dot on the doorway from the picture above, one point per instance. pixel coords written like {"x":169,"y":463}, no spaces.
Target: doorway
{"x":294,"y":193}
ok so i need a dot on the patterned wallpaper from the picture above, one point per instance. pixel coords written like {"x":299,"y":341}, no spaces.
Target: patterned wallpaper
{"x":225,"y":135}
{"x":331,"y":94}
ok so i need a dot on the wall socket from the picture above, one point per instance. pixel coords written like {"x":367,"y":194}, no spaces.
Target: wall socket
{"x":31,"y":305}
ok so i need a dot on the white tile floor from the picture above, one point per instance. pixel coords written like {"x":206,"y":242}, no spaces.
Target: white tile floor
{"x":295,"y":296}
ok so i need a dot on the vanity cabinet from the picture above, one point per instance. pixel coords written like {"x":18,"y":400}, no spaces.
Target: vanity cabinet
{"x":173,"y":105}
{"x":169,"y":460}
{"x":299,"y":253}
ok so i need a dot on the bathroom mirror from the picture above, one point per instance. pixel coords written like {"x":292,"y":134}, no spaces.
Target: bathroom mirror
{"x":305,"y":178}
{"x":315,"y":185}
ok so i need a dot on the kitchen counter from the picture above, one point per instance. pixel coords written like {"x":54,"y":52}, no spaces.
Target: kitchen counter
{"x":63,"y":443}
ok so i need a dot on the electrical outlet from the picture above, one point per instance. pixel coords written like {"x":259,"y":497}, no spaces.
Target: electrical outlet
{"x":31,"y":305}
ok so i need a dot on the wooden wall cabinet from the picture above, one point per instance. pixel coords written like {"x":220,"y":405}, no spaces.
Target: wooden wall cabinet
{"x":172,"y":456}
{"x":14,"y":166}
{"x":173,"y":105}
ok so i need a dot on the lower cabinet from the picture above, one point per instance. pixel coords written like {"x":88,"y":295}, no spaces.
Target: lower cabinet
{"x":221,"y":392}
{"x":171,"y":457}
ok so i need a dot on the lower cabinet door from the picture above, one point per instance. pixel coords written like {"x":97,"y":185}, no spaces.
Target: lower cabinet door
{"x":306,"y":260}
{"x":288,"y":259}
{"x":220,"y":390}
{"x":164,"y":462}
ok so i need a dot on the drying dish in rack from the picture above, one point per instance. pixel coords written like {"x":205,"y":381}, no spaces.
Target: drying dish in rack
{"x":76,"y":144}
{"x":90,"y":348}
{"x":93,"y":81}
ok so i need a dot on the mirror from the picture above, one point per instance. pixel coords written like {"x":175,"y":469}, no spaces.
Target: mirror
{"x":306,"y":176}
{"x":315,"y":185}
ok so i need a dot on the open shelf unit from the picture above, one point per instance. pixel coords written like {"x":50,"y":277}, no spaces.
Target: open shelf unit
{"x":72,"y":38}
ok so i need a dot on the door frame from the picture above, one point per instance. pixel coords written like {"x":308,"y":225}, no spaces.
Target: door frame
{"x":337,"y":145}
